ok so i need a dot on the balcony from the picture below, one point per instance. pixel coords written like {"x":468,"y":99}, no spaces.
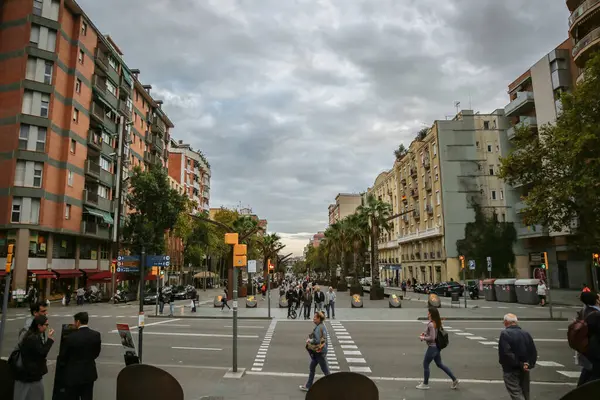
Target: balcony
{"x":429,"y":209}
{"x":95,"y":140}
{"x":148,"y":137}
{"x":524,"y":232}
{"x":426,"y":163}
{"x":525,"y":121}
{"x":413,"y":171}
{"x":124,"y":89}
{"x":158,"y":126}
{"x":92,"y":169}
{"x":101,"y":59}
{"x":158,"y":143}
{"x":428,"y":185}
{"x":95,"y":229}
{"x":124,"y":109}
{"x":520,"y":207}
{"x":582,"y":47}
{"x":93,"y":199}
{"x":388,"y":245}
{"x":147,"y":156}
{"x":414,"y":192}
{"x":416,"y":214}
{"x":586,"y":8}
{"x":99,"y":85}
{"x":99,"y":115}
{"x":431,"y":232}
{"x":524,"y":102}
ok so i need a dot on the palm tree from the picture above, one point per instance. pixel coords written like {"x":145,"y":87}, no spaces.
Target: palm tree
{"x":338,"y":233}
{"x":358,"y":234}
{"x":269,"y":246}
{"x":378,"y":214}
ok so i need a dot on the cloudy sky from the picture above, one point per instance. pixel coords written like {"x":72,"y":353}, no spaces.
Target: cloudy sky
{"x":294,"y":101}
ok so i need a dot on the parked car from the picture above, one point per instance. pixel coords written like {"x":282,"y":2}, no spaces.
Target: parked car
{"x":447,"y":288}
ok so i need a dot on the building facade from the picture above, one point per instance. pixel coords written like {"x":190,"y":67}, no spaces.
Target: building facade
{"x":192,"y":171}
{"x":67,"y":99}
{"x":345,"y":204}
{"x":584,"y":31}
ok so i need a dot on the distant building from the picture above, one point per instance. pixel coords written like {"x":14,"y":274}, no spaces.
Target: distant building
{"x":192,"y":171}
{"x":345,"y":204}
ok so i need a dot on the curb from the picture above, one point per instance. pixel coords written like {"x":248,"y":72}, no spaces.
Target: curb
{"x":206,"y":317}
{"x":496,"y":319}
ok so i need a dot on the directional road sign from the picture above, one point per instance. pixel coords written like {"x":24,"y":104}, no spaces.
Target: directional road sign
{"x":158,"y":261}
{"x":489,"y":264}
{"x":471,"y":264}
{"x":128,"y":263}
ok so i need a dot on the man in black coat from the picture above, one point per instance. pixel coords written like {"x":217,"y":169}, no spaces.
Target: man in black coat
{"x":79,"y":353}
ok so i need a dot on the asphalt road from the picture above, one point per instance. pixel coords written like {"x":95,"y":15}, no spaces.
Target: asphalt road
{"x":380,"y":342}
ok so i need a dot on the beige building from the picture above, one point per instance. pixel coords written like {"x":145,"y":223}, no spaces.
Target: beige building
{"x":345,"y":204}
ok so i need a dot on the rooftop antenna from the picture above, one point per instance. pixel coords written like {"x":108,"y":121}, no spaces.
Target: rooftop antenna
{"x":470,"y":106}
{"x":457,"y":106}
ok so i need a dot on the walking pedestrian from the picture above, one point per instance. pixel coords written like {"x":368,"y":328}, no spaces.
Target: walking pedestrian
{"x":80,"y":295}
{"x":68,"y":294}
{"x":161,"y":301}
{"x":433,"y":353}
{"x":38,"y":308}
{"x":517,"y":355}
{"x":171,"y":303}
{"x":79,"y":353}
{"x":332,"y":297}
{"x":403,"y":289}
{"x":590,"y":362}
{"x":319,"y":299}
{"x":541,"y":292}
{"x":316,"y":345}
{"x":34,"y":349}
{"x":307,"y":303}
{"x":224,"y":300}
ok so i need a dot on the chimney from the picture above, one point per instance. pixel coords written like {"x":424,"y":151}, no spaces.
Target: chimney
{"x":135,"y":73}
{"x":147,"y":88}
{"x":180,"y":141}
{"x":159,"y":103}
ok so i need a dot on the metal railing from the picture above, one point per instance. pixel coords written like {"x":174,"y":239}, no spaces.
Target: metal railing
{"x":581,"y":10}
{"x":520,"y":100}
{"x":587,"y":39}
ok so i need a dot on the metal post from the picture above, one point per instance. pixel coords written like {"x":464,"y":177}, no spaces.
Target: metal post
{"x":141,"y":327}
{"x":235,"y":317}
{"x":269,"y":290}
{"x":157,"y":294}
{"x":594,"y":274}
{"x":4,"y":307}
{"x":465,"y":294}
{"x":549,"y":289}
{"x":117,"y":209}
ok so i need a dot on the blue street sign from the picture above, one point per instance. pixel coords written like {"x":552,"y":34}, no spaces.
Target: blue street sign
{"x":471,"y":264}
{"x":158,"y":261}
{"x":128,"y":269}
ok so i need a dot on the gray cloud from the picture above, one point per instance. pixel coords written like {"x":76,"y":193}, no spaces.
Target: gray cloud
{"x":293,"y":102}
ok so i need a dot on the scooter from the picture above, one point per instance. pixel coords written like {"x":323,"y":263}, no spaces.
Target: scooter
{"x":474,"y":292}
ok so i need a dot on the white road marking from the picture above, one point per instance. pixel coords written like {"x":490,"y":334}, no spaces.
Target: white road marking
{"x":352,"y":353}
{"x":570,"y":374}
{"x":349,"y":346}
{"x":261,"y":355}
{"x":111,"y":344}
{"x":489,"y":343}
{"x":476,"y":338}
{"x":345,"y":337}
{"x":245,"y":326}
{"x":150,"y":324}
{"x":197,"y":348}
{"x":198,"y":335}
{"x":483,"y":329}
{"x":464,"y":334}
{"x":452,"y":330}
{"x":548,"y":364}
{"x":346,"y":341}
{"x":418,"y":379}
{"x":334,"y":367}
{"x":359,"y":369}
{"x":550,"y":340}
{"x":356,"y":360}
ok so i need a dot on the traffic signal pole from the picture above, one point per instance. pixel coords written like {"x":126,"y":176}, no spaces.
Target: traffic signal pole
{"x":549,"y":276}
{"x":595,"y":257}
{"x":7,"y":278}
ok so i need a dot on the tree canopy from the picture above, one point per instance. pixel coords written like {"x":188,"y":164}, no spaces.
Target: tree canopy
{"x":560,"y":168}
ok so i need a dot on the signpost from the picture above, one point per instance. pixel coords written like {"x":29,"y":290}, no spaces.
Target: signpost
{"x":141,"y":326}
{"x":462,"y":266}
{"x":251,"y":270}
{"x":7,"y":278}
{"x":129,"y":264}
{"x":549,"y":284}
{"x":489,"y":265}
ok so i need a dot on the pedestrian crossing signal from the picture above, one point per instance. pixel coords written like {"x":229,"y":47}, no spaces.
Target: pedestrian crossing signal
{"x":596,"y":256}
{"x":9,"y":257}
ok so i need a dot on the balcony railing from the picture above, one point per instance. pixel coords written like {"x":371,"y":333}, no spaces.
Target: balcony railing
{"x":157,"y":142}
{"x":520,"y":207}
{"x":524,"y":232}
{"x":431,"y":232}
{"x":414,"y":193}
{"x":125,"y":89}
{"x":95,"y":140}
{"x":522,"y":99}
{"x":124,"y":109}
{"x":429,"y":209}
{"x":101,"y":59}
{"x":585,"y":42}
{"x":526,"y":121}
{"x":93,"y":228}
{"x":426,"y":163}
{"x":157,"y":125}
{"x":413,"y":171}
{"x":92,"y":168}
{"x":581,"y":10}
{"x":99,"y":84}
{"x":416,"y":214}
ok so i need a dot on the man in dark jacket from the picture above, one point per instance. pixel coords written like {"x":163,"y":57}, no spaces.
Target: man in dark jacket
{"x":290,"y":296}
{"x":517,"y":355}
{"x":79,"y":353}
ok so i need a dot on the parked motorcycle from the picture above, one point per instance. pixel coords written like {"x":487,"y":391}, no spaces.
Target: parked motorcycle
{"x":474,"y":292}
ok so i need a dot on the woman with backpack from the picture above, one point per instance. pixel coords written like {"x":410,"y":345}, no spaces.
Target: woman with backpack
{"x":29,"y":365}
{"x":316,"y":345}
{"x":436,"y":339}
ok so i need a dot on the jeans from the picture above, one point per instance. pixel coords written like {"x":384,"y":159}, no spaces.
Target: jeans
{"x":434,"y":354}
{"x":517,"y":384}
{"x":306,"y":311}
{"x":319,"y":306}
{"x":316,"y":359}
{"x":172,"y":308}
{"x":161,"y":307}
{"x":332,"y":307}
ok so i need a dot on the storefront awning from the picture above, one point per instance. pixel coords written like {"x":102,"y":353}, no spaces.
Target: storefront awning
{"x":89,"y":272}
{"x":150,"y":277}
{"x":106,"y":217}
{"x":42,"y":273}
{"x":2,"y":273}
{"x":106,"y":276}
{"x":67,"y":273}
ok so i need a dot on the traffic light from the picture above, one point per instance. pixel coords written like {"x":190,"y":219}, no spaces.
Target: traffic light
{"x":239,"y":255}
{"x":545,"y":264}
{"x":271,"y":266}
{"x":155,"y":271}
{"x":9,"y":257}
{"x":596,"y":256}
{"x":113,"y":267}
{"x":462,"y":262}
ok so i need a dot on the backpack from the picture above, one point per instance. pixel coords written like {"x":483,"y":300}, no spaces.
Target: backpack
{"x":15,"y":361}
{"x":441,"y":338}
{"x":577,"y":335}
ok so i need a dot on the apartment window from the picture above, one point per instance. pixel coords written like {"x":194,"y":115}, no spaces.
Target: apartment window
{"x":113,"y":63}
{"x":20,"y":173}
{"x":80,"y":57}
{"x":70,"y":178}
{"x":84,"y":28}
{"x":434,"y":148}
{"x":34,"y":211}
{"x":40,"y":143}
{"x":73,"y":146}
{"x":23,"y":137}
{"x":493,"y":195}
{"x":105,"y":164}
{"x":103,"y":191}
{"x":503,"y":217}
{"x":44,"y":106}
{"x":491,"y":170}
{"x":37,"y":7}
{"x":437,"y":197}
{"x":16,"y":210}
{"x":489,"y":148}
{"x":38,"y":170}
{"x":502,"y":195}
{"x":486,"y":125}
{"x":106,"y":138}
{"x":477,"y":144}
{"x":75,"y":115}
{"x":78,"y":85}
{"x":68,"y":211}
{"x":34,"y":35}
{"x":111,"y":88}
{"x":137,"y":95}
{"x":48,"y":72}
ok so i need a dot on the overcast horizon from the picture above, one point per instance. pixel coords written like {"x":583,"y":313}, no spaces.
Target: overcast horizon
{"x":294,"y":102}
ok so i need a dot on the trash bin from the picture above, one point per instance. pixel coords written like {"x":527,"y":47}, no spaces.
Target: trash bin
{"x":505,"y":290}
{"x":527,"y":291}
{"x":488,"y":290}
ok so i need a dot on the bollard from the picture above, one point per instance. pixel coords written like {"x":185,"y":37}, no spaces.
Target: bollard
{"x":251,"y":302}
{"x":434,"y":301}
{"x":217,"y":301}
{"x":394,"y":301}
{"x":356,"y":301}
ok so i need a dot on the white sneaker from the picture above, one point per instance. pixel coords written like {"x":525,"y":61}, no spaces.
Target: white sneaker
{"x":422,"y":386}
{"x":455,"y":384}
{"x":303,"y":388}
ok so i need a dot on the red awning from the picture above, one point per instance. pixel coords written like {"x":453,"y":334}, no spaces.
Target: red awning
{"x":67,"y":273}
{"x":2,"y":273}
{"x":150,"y":277}
{"x":106,"y":276}
{"x":90,"y":271}
{"x":42,"y":273}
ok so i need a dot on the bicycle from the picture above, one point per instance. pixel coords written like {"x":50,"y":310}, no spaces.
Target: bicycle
{"x":293,"y":314}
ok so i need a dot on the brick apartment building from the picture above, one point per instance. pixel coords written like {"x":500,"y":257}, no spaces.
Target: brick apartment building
{"x":65,"y":96}
{"x":190,"y":169}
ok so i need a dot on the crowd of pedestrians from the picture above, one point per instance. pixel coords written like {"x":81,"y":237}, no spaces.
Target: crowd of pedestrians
{"x":304,"y":293}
